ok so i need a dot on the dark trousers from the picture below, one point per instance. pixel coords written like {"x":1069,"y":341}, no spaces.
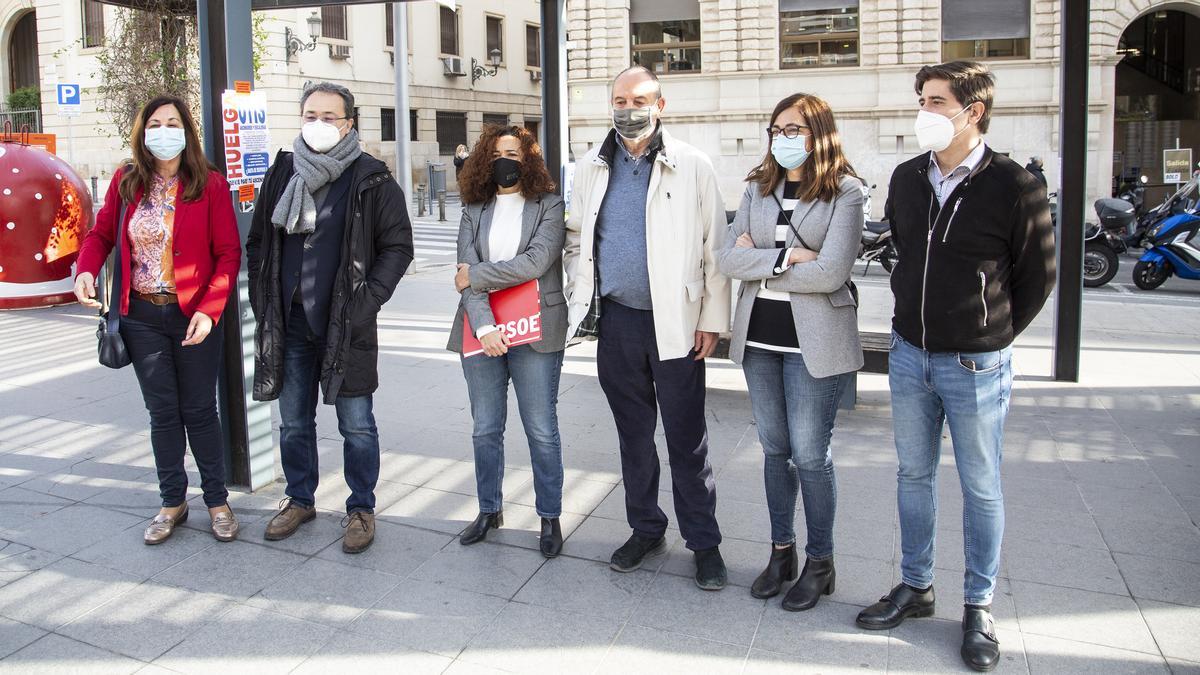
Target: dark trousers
{"x":303,"y":352}
{"x":638,"y":385}
{"x":179,"y":386}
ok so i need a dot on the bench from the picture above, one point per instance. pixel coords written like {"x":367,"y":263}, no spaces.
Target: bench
{"x":875,"y":348}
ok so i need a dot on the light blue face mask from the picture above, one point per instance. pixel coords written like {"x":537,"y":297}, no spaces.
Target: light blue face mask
{"x":790,"y":152}
{"x":165,"y":143}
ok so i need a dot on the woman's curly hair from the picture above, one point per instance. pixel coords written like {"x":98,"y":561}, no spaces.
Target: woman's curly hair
{"x":475,"y":184}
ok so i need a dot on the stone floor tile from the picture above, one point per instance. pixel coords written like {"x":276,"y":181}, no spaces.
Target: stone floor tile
{"x":933,"y":646}
{"x":309,"y":539}
{"x":19,"y":560}
{"x":1055,"y":655}
{"x":62,"y":591}
{"x":397,"y":549}
{"x":237,"y":569}
{"x":1174,"y":581}
{"x":273,"y":643}
{"x":518,"y":640}
{"x":596,"y":538}
{"x":1083,"y":616}
{"x":428,"y":509}
{"x":824,"y":636}
{"x":676,"y":605}
{"x":493,"y":569}
{"x":650,"y":650}
{"x":428,"y":617}
{"x":586,"y":586}
{"x":325,"y":592}
{"x":1175,"y":629}
{"x":127,"y":552}
{"x":55,"y":654}
{"x":1062,"y":565}
{"x":357,"y":653}
{"x":146,"y":621}
{"x":14,"y":635}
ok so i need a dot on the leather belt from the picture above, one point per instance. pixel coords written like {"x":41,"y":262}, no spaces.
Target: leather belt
{"x":157,"y":298}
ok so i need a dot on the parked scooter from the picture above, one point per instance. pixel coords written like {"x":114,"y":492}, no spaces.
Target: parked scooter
{"x":1173,"y":250}
{"x":1135,"y":193}
{"x":877,"y":242}
{"x":1104,"y":241}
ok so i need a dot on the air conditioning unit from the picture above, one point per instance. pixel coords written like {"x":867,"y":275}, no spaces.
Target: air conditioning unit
{"x":340,"y":52}
{"x":453,"y":66}
{"x":535,"y":75}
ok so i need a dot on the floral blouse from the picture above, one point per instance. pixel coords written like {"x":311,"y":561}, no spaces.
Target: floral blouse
{"x":152,"y":268}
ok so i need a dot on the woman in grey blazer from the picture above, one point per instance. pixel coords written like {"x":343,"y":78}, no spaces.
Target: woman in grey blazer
{"x":792,"y":245}
{"x":512,"y":232}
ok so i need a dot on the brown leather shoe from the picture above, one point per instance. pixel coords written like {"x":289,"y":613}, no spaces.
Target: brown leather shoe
{"x":163,"y":526}
{"x":360,"y":532}
{"x":225,"y":525}
{"x":288,"y":520}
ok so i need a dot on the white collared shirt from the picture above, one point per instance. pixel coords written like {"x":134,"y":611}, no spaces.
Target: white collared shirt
{"x":943,"y":186}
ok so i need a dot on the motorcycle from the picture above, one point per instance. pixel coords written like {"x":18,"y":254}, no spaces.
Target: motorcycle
{"x":1134,"y":193}
{"x":877,"y":242}
{"x":1104,"y":241}
{"x":1171,"y":251}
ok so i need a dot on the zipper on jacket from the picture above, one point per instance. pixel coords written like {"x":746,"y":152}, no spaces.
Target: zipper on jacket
{"x":930,"y":222}
{"x":953,"y":213}
{"x":983,"y":296}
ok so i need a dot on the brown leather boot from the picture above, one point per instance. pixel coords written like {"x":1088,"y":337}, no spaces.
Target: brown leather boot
{"x":360,"y":532}
{"x":288,"y":520}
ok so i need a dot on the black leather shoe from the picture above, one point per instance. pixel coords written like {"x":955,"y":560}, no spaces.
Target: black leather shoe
{"x":893,"y":608}
{"x":980,"y":648}
{"x":477,"y":530}
{"x":780,"y":568}
{"x":635,"y":551}
{"x":710,"y":569}
{"x":551,"y":540}
{"x":816,"y":580}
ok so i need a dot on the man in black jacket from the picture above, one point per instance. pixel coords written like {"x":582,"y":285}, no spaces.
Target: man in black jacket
{"x":1035,"y":167}
{"x":976,"y":264}
{"x":329,"y":241}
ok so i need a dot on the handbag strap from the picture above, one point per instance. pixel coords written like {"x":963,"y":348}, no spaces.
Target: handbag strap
{"x":792,"y":225}
{"x":113,"y":316}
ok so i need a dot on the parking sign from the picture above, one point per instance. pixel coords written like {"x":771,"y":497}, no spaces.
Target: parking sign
{"x":68,"y":100}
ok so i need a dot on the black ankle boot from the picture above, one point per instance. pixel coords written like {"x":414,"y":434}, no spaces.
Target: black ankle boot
{"x":816,"y":580}
{"x":551,"y":540}
{"x":781,"y":568}
{"x":477,"y":530}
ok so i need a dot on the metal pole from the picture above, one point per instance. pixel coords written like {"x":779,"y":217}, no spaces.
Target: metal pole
{"x":1073,"y":108}
{"x":554,"y":87}
{"x":403,"y":130}
{"x":441,"y":195}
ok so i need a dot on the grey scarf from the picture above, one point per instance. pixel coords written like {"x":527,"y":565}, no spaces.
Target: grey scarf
{"x":296,"y":211}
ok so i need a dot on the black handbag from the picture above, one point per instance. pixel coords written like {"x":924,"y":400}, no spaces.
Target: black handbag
{"x":110,"y":347}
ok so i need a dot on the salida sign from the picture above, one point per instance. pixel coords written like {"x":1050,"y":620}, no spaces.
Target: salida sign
{"x":247,"y":140}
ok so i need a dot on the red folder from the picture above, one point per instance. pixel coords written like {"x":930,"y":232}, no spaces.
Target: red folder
{"x":518,"y":313}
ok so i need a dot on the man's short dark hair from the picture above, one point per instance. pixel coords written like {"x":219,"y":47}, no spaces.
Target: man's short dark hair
{"x":642,"y":69}
{"x":970,"y":82}
{"x":330,"y":88}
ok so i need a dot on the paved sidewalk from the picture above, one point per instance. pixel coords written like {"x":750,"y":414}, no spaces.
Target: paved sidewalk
{"x":1101,"y":569}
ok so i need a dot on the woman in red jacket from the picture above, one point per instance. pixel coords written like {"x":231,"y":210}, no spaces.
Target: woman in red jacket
{"x":180,"y":260}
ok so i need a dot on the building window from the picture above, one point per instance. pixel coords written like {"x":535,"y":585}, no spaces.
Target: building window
{"x":449,"y":27}
{"x":985,"y":29}
{"x":389,"y":26}
{"x":496,"y":119}
{"x":93,"y":23}
{"x":333,"y":22}
{"x":666,"y":35}
{"x":387,"y":124}
{"x":533,"y":126}
{"x":495,"y":37}
{"x":451,"y":131}
{"x":412,"y":125}
{"x":815,"y":33}
{"x":533,"y":46}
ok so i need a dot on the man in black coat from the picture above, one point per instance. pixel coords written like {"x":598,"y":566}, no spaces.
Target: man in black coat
{"x":329,"y":241}
{"x":976,"y":264}
{"x":1035,"y":167}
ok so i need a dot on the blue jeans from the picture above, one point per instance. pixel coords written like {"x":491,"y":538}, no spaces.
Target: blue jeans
{"x":795,"y":413}
{"x":970,"y":391}
{"x":535,"y":378}
{"x":302,"y":355}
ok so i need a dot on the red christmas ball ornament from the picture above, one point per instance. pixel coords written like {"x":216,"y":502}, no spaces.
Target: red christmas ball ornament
{"x":45,"y":211}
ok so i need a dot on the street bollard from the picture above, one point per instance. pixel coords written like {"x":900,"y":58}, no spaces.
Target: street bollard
{"x":95,"y":186}
{"x":421,"y":199}
{"x":441,"y":206}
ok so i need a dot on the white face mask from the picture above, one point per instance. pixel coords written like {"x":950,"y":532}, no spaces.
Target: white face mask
{"x":320,"y":136}
{"x":165,"y":143}
{"x":934,"y":131}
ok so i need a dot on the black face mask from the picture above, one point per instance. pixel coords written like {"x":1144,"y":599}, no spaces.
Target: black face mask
{"x":506,"y":172}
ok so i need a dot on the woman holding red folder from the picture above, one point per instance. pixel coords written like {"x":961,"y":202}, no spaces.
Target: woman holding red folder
{"x":511,"y":237}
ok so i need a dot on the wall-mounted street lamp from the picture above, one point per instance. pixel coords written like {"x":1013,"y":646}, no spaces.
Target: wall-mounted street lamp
{"x":294,"y":45}
{"x":477,"y":69}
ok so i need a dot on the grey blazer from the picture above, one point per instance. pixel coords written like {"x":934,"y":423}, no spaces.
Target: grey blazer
{"x":543,"y":232}
{"x":822,"y":306}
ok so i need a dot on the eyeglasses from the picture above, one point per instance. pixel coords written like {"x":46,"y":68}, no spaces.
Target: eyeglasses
{"x":328,"y":119}
{"x":789,"y":131}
